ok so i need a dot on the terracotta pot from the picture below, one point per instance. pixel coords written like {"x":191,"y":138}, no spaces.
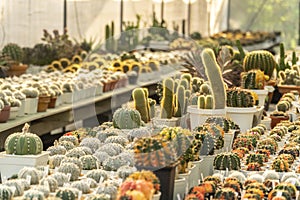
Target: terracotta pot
{"x":52,"y":102}
{"x":4,"y":114}
{"x":43,"y":103}
{"x":276,"y":119}
{"x":16,"y":70}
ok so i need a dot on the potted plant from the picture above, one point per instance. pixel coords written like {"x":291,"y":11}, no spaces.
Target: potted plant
{"x":31,"y":100}
{"x":15,"y":106}
{"x":5,"y":107}
{"x":13,"y":54}
{"x":278,"y":116}
{"x":43,"y":100}
{"x":21,"y":97}
{"x":218,"y":97}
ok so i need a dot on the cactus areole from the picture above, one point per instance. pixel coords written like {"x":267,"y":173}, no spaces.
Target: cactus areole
{"x":23,"y":143}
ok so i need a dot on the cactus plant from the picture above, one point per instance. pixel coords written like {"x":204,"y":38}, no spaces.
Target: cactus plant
{"x":254,"y":157}
{"x":109,"y":189}
{"x":125,"y":171}
{"x":214,"y":75}
{"x":75,"y":153}
{"x":141,"y":103}
{"x":30,"y":92}
{"x":56,"y":149}
{"x":280,"y":165}
{"x":114,"y":163}
{"x":89,"y":162}
{"x":239,"y":98}
{"x":65,"y":194}
{"x":34,"y":173}
{"x":97,"y":175}
{"x":279,"y":193}
{"x":14,"y":53}
{"x":67,"y":144}
{"x":226,"y":193}
{"x":23,"y":143}
{"x":253,"y":79}
{"x":69,"y":138}
{"x":260,"y":59}
{"x":51,"y":182}
{"x":112,"y":149}
{"x":99,"y":197}
{"x":6,"y":192}
{"x":34,"y":194}
{"x":82,"y":186}
{"x":167,"y":102}
{"x":91,"y":142}
{"x":124,"y":118}
{"x":117,"y":139}
{"x":61,"y":178}
{"x":74,"y":160}
{"x":19,"y":188}
{"x":228,"y":161}
{"x":70,"y":168}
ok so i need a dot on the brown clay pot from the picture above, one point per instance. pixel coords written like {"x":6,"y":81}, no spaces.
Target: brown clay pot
{"x":4,"y":114}
{"x":43,"y":103}
{"x":276,"y":119}
{"x":52,"y":102}
{"x":16,"y":70}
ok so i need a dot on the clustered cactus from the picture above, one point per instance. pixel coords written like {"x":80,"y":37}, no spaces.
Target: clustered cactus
{"x":253,"y":79}
{"x":240,"y":98}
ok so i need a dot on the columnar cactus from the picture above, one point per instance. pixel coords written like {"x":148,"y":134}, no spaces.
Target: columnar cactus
{"x":34,"y":173}
{"x":239,"y":98}
{"x":205,"y":102}
{"x":70,"y":168}
{"x":23,"y":143}
{"x":180,"y":101}
{"x":124,"y":118}
{"x":260,"y":59}
{"x":228,"y":161}
{"x":214,"y":75}
{"x":141,"y":103}
{"x":167,"y":102}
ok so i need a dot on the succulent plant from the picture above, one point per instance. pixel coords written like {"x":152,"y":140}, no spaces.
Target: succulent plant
{"x":91,"y":142}
{"x":70,"y":138}
{"x":226,"y":193}
{"x":124,"y":118}
{"x":270,"y":175}
{"x":34,"y":173}
{"x":82,"y":186}
{"x":97,"y":175}
{"x":65,"y":194}
{"x":6,"y":192}
{"x":113,"y":163}
{"x":89,"y":162}
{"x":280,"y":165}
{"x":141,"y":103}
{"x":34,"y":194}
{"x":239,"y":98}
{"x":138,"y":133}
{"x":226,"y":123}
{"x":56,"y":149}
{"x":23,"y":143}
{"x":106,"y":132}
{"x":101,"y":156}
{"x":107,"y":189}
{"x":253,"y":79}
{"x":19,"y":188}
{"x":30,"y":92}
{"x":51,"y":182}
{"x":167,"y":101}
{"x":112,"y":149}
{"x":99,"y":197}
{"x":67,"y":144}
{"x":228,"y":161}
{"x":74,"y":160}
{"x":14,"y":52}
{"x":75,"y":153}
{"x":61,"y":178}
{"x":70,"y":168}
{"x":254,"y":157}
{"x":117,"y":139}
{"x":125,"y":171}
{"x":281,"y":193}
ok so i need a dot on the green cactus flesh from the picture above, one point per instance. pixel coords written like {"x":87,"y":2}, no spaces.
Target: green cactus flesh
{"x":141,"y":103}
{"x":167,"y":102}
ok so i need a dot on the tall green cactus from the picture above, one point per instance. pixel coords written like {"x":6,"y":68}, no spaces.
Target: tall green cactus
{"x":213,"y":72}
{"x":180,"y":101}
{"x":294,"y":58}
{"x":167,"y":102}
{"x":110,"y":43}
{"x":260,"y":59}
{"x":141,"y":103}
{"x":241,"y":50}
{"x":282,"y":65}
{"x":205,"y":102}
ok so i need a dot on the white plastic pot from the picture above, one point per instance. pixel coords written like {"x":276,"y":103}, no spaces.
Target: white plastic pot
{"x":262,"y":94}
{"x":198,"y":116}
{"x":31,"y":105}
{"x":242,"y":116}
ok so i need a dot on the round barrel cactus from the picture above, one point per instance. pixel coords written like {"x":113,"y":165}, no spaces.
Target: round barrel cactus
{"x":54,"y":161}
{"x":19,"y":189}
{"x":124,"y":118}
{"x":34,"y":195}
{"x":99,"y":197}
{"x":65,"y":194}
{"x":70,"y":168}
{"x":34,"y":173}
{"x":6,"y":192}
{"x":57,"y":149}
{"x":23,"y":143}
{"x":51,"y":182}
{"x":89,"y":162}
{"x":82,"y":186}
{"x":227,"y":160}
{"x":61,"y":178}
{"x":97,"y":174}
{"x":109,"y":189}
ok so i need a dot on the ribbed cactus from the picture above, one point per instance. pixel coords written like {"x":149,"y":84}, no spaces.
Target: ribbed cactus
{"x":141,"y":103}
{"x":229,"y":161}
{"x":5,"y":192}
{"x":282,"y":65}
{"x":34,"y":194}
{"x":34,"y":173}
{"x":213,"y":72}
{"x":260,"y":59}
{"x":23,"y":143}
{"x":70,"y":168}
{"x":188,"y":77}
{"x":226,"y":193}
{"x":61,"y":178}
{"x":239,"y":98}
{"x":110,"y":43}
{"x":97,"y":175}
{"x":167,"y":102}
{"x":82,"y":186}
{"x":124,"y":118}
{"x":205,"y":102}
{"x":13,"y":51}
{"x":51,"y":182}
{"x":65,"y":194}
{"x":180,"y":101}
{"x":89,"y":162}
{"x":253,"y":79}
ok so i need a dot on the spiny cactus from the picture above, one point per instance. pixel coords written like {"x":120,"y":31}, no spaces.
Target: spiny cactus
{"x":34,"y":173}
{"x":51,"y":182}
{"x":260,"y":59}
{"x":214,"y":75}
{"x":70,"y":168}
{"x":239,"y":98}
{"x":114,"y":163}
{"x":141,"y":103}
{"x":124,"y":118}
{"x":228,"y":161}
{"x":65,"y":194}
{"x":6,"y":192}
{"x":226,"y":193}
{"x":14,"y":52}
{"x":253,"y":79}
{"x":112,"y":149}
{"x":205,"y":102}
{"x":19,"y":188}
{"x":99,"y":197}
{"x":82,"y":186}
{"x":280,"y":165}
{"x":97,"y":175}
{"x":56,"y":149}
{"x":34,"y":194}
{"x":70,"y":138}
{"x":23,"y":143}
{"x":89,"y":162}
{"x":91,"y":142}
{"x":180,"y":101}
{"x":167,"y":102}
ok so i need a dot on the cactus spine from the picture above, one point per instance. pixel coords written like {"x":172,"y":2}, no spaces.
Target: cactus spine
{"x":214,"y":75}
{"x":167,"y":101}
{"x":141,"y":103}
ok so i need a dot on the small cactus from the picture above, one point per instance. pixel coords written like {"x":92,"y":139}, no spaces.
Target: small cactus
{"x":239,"y":98}
{"x":114,"y":163}
{"x":61,"y":178}
{"x":56,"y":149}
{"x":124,"y":118}
{"x":112,"y":149}
{"x":65,"y":194}
{"x":82,"y":186}
{"x":51,"y":182}
{"x":34,"y":173}
{"x":34,"y":194}
{"x":167,"y":102}
{"x":91,"y":142}
{"x":19,"y":188}
{"x":97,"y":175}
{"x":89,"y":162}
{"x":70,"y":168}
{"x":14,"y":52}
{"x":141,"y":103}
{"x":6,"y":192}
